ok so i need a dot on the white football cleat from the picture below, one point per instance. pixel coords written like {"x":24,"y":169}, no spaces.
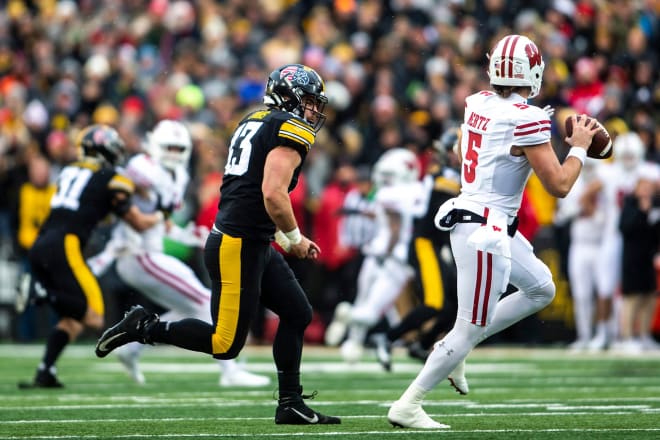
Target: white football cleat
{"x":351,"y":351}
{"x":243,"y":378}
{"x":408,"y":415}
{"x":648,"y":343}
{"x":457,"y":379}
{"x":578,"y":345}
{"x":336,"y":331}
{"x":598,"y":343}
{"x":129,"y":359}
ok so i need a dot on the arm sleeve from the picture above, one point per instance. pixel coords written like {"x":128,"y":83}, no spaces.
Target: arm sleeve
{"x":532,"y":126}
{"x":121,"y":188}
{"x":297,"y":134}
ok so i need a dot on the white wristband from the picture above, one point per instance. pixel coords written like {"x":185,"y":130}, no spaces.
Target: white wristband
{"x":282,"y":240}
{"x":160,"y":216}
{"x":294,"y":236}
{"x":578,"y":153}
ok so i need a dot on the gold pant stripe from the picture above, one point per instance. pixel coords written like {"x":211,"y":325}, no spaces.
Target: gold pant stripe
{"x":434,"y":293}
{"x":83,"y":274}
{"x":230,"y":298}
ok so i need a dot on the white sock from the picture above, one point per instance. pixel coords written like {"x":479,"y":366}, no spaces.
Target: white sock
{"x":228,"y":366}
{"x":413,"y":395}
{"x":448,"y":353}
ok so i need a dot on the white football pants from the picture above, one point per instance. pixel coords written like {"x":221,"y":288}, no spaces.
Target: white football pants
{"x":170,"y":283}
{"x":583,"y":260}
{"x":481,"y":282}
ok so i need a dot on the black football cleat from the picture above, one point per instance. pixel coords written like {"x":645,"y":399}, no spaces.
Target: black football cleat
{"x":416,"y":351}
{"x":134,"y":327}
{"x":29,"y":292}
{"x":293,"y":411}
{"x":43,"y":379}
{"x":383,"y":350}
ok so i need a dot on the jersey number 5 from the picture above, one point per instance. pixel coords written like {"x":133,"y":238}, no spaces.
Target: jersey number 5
{"x":471,"y":156}
{"x":241,"y":147}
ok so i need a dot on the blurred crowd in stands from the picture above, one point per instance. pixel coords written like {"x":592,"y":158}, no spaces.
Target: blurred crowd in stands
{"x":396,"y":74}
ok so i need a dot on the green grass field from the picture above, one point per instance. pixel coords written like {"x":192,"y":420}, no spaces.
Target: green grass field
{"x":515,"y":394}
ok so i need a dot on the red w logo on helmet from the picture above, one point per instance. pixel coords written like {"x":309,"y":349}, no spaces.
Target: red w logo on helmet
{"x":533,"y":55}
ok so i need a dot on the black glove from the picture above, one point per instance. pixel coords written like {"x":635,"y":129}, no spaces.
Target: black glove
{"x":166,"y":209}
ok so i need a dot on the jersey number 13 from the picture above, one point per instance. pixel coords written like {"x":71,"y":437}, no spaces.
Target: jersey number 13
{"x":240,"y":148}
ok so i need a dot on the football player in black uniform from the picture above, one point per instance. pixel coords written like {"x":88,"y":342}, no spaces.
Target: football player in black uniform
{"x":435,"y":271}
{"x":266,"y":154}
{"x":87,"y":191}
{"x":430,"y":254}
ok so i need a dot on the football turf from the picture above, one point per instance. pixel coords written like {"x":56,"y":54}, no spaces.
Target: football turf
{"x":515,"y":393}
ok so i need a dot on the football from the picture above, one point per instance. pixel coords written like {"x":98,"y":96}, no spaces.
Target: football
{"x":601,"y":144}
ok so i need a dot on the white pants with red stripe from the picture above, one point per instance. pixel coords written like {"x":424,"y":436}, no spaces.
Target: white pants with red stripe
{"x":481,"y":276}
{"x":481,"y":282}
{"x":166,"y":281}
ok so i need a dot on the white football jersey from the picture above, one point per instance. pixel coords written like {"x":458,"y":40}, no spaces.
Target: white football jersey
{"x":490,"y":175}
{"x":587,"y":230}
{"x":406,"y":199}
{"x":152,"y":181}
{"x":618,"y":182}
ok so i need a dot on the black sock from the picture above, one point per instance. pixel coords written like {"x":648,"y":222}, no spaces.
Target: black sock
{"x":289,"y":384}
{"x":57,"y":340}
{"x":412,"y":321}
{"x":191,"y":334}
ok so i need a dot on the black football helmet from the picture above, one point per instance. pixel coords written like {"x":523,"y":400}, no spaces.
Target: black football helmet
{"x":287,"y":86}
{"x":444,"y":147}
{"x":102,"y":143}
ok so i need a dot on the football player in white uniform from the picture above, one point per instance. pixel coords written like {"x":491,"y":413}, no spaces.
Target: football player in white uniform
{"x":385,"y":270}
{"x":614,"y":182}
{"x":586,"y":213}
{"x":502,"y":140}
{"x":160,"y":175}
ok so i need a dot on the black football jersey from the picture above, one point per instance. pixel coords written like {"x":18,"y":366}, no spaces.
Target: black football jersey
{"x":442,"y":185}
{"x":241,"y":210}
{"x":85,"y":195}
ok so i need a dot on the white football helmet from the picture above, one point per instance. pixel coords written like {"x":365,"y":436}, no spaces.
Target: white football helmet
{"x":516,"y":61}
{"x":170,"y":144}
{"x":628,"y":150}
{"x":395,"y":166}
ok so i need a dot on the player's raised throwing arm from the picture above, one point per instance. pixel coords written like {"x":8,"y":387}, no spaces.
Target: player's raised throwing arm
{"x":558,"y":178}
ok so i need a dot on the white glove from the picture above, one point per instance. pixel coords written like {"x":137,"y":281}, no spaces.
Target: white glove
{"x":202,"y":233}
{"x":444,"y":209}
{"x":549,"y":110}
{"x":189,"y":235}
